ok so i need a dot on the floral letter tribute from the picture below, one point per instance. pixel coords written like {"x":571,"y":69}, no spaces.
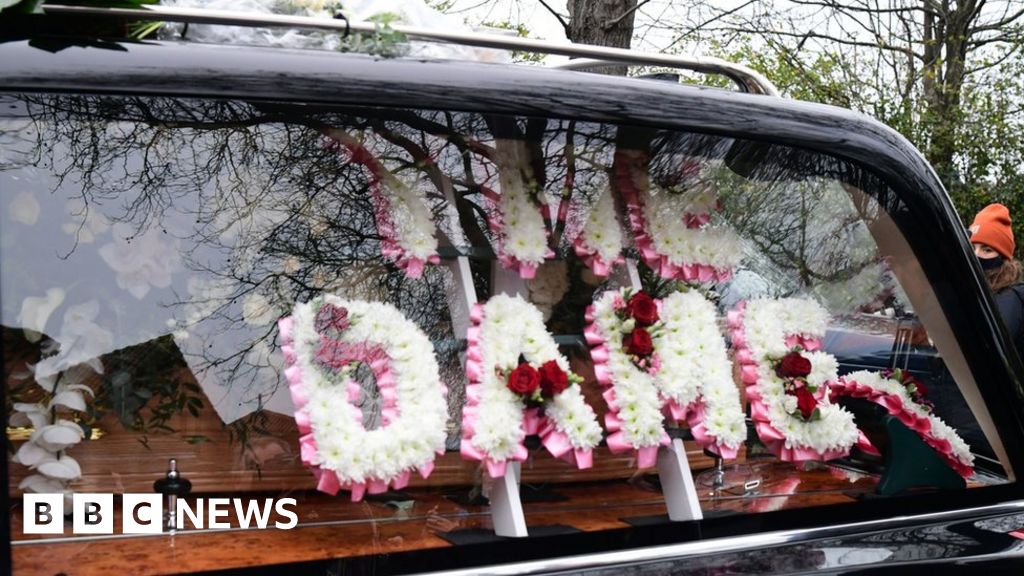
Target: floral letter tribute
{"x":671,"y":228}
{"x":323,"y":342}
{"x":600,"y":242}
{"x":787,"y":379}
{"x":520,"y":384}
{"x":517,"y":220}
{"x":902,"y":396}
{"x":649,"y":354}
{"x":403,"y":217}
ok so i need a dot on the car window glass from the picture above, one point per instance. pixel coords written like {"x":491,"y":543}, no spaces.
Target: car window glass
{"x":151,"y":245}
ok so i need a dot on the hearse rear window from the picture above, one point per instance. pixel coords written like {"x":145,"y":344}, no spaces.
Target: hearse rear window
{"x":407,"y":328}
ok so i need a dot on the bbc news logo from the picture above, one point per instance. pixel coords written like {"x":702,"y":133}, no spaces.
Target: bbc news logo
{"x":144,"y":513}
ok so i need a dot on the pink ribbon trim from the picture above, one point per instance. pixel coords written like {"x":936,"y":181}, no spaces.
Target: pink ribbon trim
{"x":895,"y":406}
{"x":390,"y":242}
{"x":590,"y":257}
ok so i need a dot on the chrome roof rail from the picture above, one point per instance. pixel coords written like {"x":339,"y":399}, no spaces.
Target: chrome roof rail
{"x":743,"y":76}
{"x":748,"y":80}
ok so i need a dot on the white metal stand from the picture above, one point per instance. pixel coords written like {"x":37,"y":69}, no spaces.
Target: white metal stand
{"x":506,"y":508}
{"x":677,"y":483}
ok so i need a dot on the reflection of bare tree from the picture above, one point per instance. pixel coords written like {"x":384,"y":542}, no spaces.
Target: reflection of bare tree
{"x":807,"y":226}
{"x":266,"y":213}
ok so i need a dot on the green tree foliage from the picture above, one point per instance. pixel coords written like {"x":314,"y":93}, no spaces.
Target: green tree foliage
{"x":986,"y":128}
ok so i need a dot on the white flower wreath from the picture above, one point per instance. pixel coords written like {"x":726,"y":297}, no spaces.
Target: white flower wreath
{"x":672,"y":230}
{"x":402,"y":213}
{"x":522,"y":242}
{"x":600,"y":243}
{"x":495,"y":420}
{"x":714,"y":250}
{"x":322,"y":342}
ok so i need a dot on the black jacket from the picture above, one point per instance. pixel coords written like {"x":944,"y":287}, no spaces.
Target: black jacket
{"x":1010,"y":302}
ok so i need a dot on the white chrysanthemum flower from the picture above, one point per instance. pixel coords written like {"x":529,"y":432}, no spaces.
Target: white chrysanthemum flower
{"x":766,"y":325}
{"x":602,"y":234}
{"x":416,"y":433}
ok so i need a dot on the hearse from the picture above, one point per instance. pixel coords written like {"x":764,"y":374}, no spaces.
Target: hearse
{"x":276,"y":305}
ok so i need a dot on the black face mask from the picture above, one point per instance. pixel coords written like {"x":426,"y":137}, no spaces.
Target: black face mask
{"x":991,"y":263}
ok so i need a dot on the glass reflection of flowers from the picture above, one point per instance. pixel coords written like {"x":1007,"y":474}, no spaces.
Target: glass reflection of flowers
{"x":640,"y":323}
{"x":801,"y":395}
{"x":55,"y":430}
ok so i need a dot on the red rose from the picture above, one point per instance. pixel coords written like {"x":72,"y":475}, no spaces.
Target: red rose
{"x":805,"y":402}
{"x":638,"y":343}
{"x":524,"y":379}
{"x":793,"y":365}
{"x":553,"y":380}
{"x":643,"y":309}
{"x":920,"y":389}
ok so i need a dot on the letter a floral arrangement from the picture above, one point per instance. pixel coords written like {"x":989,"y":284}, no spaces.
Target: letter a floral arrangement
{"x":519,"y":385}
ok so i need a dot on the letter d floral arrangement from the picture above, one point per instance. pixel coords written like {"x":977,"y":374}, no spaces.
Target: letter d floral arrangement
{"x":323,"y":342}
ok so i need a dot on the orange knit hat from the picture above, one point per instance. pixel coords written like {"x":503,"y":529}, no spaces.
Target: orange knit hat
{"x":991,"y":227}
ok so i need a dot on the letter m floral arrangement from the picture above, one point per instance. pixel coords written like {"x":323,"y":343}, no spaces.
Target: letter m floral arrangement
{"x":658,"y":358}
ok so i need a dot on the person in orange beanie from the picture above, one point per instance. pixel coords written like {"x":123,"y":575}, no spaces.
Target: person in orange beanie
{"x":992,"y":238}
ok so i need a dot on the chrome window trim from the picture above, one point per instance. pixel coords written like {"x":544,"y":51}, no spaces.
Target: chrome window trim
{"x":726,"y":544}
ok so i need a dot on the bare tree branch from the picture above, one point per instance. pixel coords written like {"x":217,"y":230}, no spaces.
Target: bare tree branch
{"x":612,"y":23}
{"x":561,"y":19}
